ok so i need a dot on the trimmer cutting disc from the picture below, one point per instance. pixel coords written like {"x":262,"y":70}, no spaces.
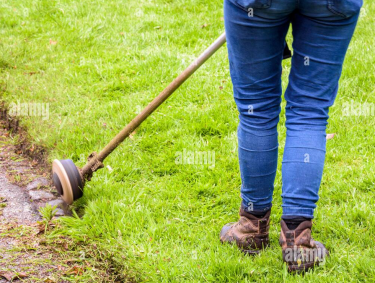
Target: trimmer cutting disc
{"x":67,"y":180}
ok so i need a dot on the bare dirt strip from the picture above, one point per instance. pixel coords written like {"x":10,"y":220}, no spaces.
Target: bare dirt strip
{"x":24,"y":189}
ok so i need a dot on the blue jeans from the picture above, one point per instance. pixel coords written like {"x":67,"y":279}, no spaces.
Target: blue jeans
{"x":256,"y":30}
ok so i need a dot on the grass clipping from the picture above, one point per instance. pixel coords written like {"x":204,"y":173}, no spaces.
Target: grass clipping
{"x":36,"y":254}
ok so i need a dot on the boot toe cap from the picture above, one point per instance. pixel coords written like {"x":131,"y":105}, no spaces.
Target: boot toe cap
{"x":225,"y":233}
{"x":322,"y":249}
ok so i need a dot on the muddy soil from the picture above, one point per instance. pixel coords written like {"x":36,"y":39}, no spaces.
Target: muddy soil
{"x":25,"y":187}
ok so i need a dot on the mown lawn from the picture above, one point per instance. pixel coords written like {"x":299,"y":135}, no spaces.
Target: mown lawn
{"x":98,"y":63}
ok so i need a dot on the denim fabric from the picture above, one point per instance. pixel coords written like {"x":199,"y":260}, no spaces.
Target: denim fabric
{"x":256,"y":30}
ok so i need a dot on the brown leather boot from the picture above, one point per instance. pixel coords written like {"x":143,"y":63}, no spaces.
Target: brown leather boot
{"x":249,"y":233}
{"x":300,"y":251}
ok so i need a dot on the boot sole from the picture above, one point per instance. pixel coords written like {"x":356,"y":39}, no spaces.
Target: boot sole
{"x":304,"y":267}
{"x":251,"y":252}
{"x":254,"y":252}
{"x":295,"y":268}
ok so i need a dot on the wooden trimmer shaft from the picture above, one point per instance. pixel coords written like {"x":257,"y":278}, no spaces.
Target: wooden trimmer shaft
{"x":171,"y":88}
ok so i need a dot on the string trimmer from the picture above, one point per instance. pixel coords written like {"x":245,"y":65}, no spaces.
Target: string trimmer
{"x":70,"y":180}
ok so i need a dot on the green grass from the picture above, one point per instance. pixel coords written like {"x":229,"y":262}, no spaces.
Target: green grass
{"x":159,"y":218}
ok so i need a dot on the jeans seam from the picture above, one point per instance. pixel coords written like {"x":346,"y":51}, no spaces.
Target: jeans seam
{"x":298,"y":161}
{"x":261,"y":175}
{"x":333,"y":10}
{"x":247,"y":9}
{"x":304,"y":147}
{"x":259,"y":150}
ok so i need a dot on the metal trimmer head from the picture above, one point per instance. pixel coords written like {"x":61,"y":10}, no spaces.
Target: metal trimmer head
{"x":67,"y":180}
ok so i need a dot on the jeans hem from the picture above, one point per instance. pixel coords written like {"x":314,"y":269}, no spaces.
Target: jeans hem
{"x":252,"y":207}
{"x":303,"y":212}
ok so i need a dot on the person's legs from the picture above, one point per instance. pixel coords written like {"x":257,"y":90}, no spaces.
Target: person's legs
{"x":321,"y":35}
{"x":256,"y":32}
{"x":255,"y":40}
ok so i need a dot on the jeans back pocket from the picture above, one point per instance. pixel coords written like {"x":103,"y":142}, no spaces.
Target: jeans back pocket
{"x":254,"y":4}
{"x":345,"y":8}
